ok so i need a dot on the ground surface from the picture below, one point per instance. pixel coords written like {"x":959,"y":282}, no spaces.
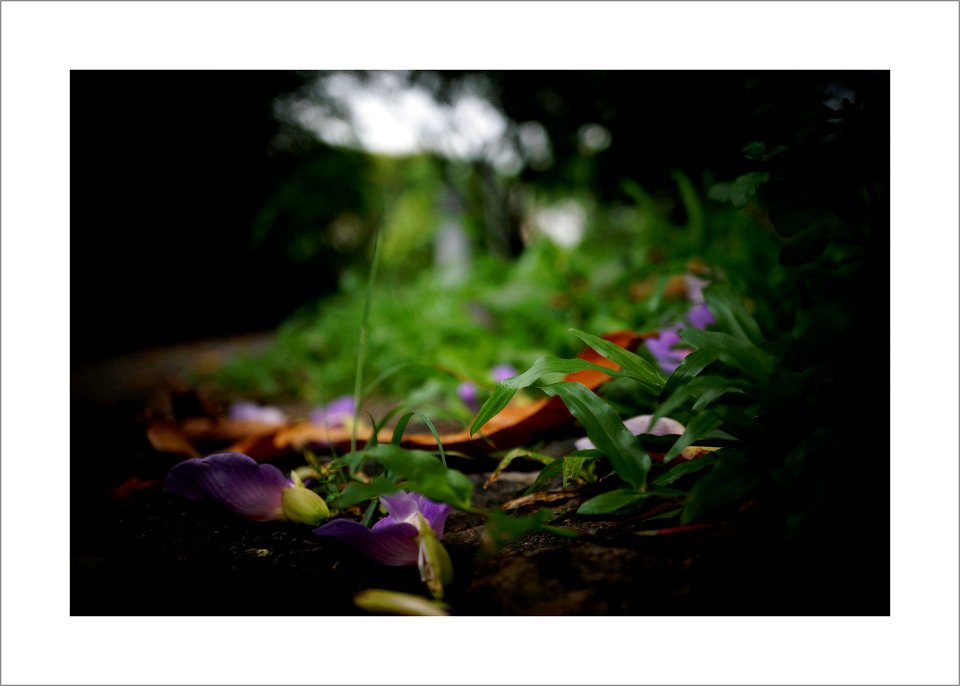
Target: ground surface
{"x":150,"y":553}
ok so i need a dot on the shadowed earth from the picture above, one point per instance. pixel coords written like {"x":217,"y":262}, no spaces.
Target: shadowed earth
{"x":146,"y":552}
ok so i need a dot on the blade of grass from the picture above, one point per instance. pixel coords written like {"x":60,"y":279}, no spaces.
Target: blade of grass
{"x":605,"y":428}
{"x":635,"y":366}
{"x":699,"y":426}
{"x":402,"y":425}
{"x":732,"y":317}
{"x":505,"y":390}
{"x":364,"y":332}
{"x":737,"y":353}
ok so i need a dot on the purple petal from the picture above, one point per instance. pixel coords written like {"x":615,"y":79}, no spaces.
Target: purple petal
{"x":435,"y":513}
{"x":694,"y":286}
{"x":502,"y":372}
{"x":664,"y":426}
{"x":235,"y":481}
{"x":700,"y":316}
{"x":249,"y":411}
{"x":640,"y":425}
{"x":394,"y":544}
{"x":402,"y":507}
{"x":663,"y":352}
{"x":337,"y":412}
{"x":468,"y":394}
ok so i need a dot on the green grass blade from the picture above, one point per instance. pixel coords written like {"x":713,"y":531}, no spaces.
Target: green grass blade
{"x":611,"y":501}
{"x":364,"y":333}
{"x":605,"y":428}
{"x":436,"y":436}
{"x":505,"y":390}
{"x":512,"y":455}
{"x":745,"y":356}
{"x":690,"y":367}
{"x":572,"y":466}
{"x":401,"y":426}
{"x":699,"y":426}
{"x":732,"y":317}
{"x":551,"y":470}
{"x":422,"y":472}
{"x":635,"y":366}
{"x":357,"y":493}
{"x":682,"y":469}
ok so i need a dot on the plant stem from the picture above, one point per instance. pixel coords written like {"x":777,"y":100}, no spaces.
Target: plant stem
{"x":364,"y":325}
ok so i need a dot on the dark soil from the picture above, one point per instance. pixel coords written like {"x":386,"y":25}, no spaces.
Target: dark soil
{"x":151,"y":553}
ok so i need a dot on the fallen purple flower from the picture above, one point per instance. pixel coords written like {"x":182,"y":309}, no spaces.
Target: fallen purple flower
{"x":256,"y":491}
{"x":662,"y":349}
{"x":467,"y":391}
{"x":641,"y":425}
{"x":249,"y":411}
{"x":336,"y":413}
{"x":395,"y":539}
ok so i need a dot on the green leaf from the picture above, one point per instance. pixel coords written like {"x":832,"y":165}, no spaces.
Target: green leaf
{"x":633,"y":365}
{"x":572,"y":465}
{"x":551,"y":470}
{"x":424,"y":473}
{"x":505,"y":390}
{"x":744,"y":356}
{"x":671,"y":404}
{"x":357,"y":493}
{"x":708,"y":395}
{"x":732,"y":317}
{"x":402,"y":425}
{"x":512,"y":455}
{"x":682,"y":469}
{"x":669,"y":514}
{"x":611,"y":501}
{"x":699,"y":426}
{"x":606,"y":430}
{"x":745,"y":187}
{"x":691,"y":366}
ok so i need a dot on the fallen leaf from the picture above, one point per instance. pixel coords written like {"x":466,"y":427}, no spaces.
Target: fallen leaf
{"x":516,"y":425}
{"x":167,"y":437}
{"x":131,"y":487}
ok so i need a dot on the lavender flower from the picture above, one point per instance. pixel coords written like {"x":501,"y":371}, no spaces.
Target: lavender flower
{"x":467,"y":391}
{"x":256,"y":491}
{"x":662,"y":349}
{"x":408,"y":535}
{"x":694,"y":286}
{"x":502,"y":372}
{"x":700,"y":316}
{"x":641,"y":425}
{"x":338,"y":412}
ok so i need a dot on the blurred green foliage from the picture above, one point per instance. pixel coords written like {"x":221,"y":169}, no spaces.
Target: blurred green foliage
{"x":499,"y":310}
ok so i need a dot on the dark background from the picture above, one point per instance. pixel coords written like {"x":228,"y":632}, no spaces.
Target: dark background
{"x":171,"y":169}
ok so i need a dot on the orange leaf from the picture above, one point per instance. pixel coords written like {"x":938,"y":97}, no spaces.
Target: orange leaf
{"x":516,"y":425}
{"x":167,"y":437}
